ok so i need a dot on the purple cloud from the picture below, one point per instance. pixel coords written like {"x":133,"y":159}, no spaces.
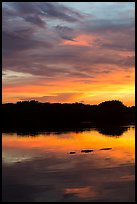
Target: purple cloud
{"x":34,"y":32}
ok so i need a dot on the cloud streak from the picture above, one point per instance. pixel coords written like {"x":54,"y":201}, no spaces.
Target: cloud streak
{"x":60,"y":41}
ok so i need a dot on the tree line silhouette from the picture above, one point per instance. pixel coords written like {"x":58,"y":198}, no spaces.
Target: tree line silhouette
{"x":33,"y":115}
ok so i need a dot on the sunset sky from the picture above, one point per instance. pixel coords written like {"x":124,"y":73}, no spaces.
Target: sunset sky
{"x":68,"y":51}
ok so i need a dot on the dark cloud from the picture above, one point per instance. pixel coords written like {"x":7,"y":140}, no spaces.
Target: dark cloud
{"x":27,"y":12}
{"x":36,"y":20}
{"x":66,"y":32}
{"x":68,"y":62}
{"x":32,"y":41}
{"x":107,"y":25}
{"x":25,"y":7}
{"x":21,"y":21}
{"x":120,"y":41}
{"x":56,"y":10}
{"x":13,"y":41}
{"x":34,"y":11}
{"x":112,"y":34}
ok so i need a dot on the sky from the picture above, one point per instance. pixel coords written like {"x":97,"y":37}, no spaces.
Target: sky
{"x":68,"y":52}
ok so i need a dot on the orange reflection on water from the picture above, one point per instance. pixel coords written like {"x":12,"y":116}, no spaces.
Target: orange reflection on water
{"x":123,"y":147}
{"x":82,"y":192}
{"x":45,"y":163}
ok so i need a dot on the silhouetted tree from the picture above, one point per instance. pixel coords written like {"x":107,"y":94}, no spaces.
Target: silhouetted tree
{"x":34,"y":114}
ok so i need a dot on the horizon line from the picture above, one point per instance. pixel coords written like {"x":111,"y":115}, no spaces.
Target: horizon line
{"x":65,"y":102}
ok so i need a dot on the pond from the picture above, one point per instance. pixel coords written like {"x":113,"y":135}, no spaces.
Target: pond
{"x":54,"y":166}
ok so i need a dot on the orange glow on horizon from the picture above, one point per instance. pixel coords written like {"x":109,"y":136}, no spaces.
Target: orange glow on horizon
{"x":116,"y":85}
{"x":90,"y":59}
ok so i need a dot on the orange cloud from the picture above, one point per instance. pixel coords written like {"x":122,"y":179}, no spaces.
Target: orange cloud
{"x":81,"y":40}
{"x":117,"y":84}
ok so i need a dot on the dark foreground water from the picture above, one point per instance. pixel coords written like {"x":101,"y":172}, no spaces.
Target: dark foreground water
{"x":41,"y":168}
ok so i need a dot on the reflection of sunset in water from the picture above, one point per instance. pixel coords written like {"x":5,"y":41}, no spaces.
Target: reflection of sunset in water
{"x":47,"y":167}
{"x":82,"y":192}
{"x":43,"y":144}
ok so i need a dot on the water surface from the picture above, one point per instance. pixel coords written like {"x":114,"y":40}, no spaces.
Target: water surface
{"x":39,"y":167}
